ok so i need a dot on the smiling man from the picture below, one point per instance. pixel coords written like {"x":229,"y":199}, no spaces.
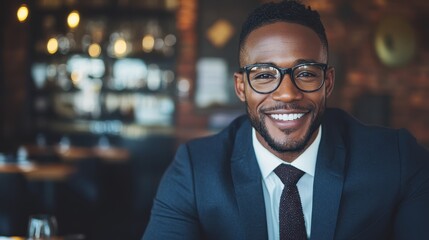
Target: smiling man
{"x":292,"y":168}
{"x":286,"y":114}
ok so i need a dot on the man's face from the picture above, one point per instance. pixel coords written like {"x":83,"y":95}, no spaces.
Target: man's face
{"x":285,"y":45}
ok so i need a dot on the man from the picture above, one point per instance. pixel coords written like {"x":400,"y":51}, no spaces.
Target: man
{"x":353,"y":181}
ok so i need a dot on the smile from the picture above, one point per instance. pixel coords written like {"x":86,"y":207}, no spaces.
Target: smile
{"x":287,"y":117}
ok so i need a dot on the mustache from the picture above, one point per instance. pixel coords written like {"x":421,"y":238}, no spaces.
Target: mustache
{"x":287,"y":106}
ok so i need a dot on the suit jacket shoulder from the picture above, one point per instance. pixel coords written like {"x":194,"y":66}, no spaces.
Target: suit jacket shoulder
{"x":378,"y":182}
{"x":212,"y":190}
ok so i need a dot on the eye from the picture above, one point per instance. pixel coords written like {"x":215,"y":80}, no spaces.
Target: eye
{"x":305,"y":74}
{"x":264,"y":75}
{"x":308,"y":73}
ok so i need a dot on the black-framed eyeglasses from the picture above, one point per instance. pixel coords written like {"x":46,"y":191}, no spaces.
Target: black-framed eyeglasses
{"x":266,"y":77}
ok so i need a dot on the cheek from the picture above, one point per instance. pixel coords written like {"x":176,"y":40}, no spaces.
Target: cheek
{"x":254,"y":100}
{"x":320,"y":104}
{"x":318,"y":98}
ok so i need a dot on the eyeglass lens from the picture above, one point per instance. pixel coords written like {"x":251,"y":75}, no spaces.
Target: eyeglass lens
{"x":266,"y":78}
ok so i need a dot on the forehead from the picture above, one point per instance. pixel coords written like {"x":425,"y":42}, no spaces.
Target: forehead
{"x":282,"y":43}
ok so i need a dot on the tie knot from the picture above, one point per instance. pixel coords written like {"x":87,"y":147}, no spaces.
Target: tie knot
{"x":289,"y":174}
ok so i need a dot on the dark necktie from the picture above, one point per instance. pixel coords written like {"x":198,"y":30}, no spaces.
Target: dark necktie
{"x":291,"y":216}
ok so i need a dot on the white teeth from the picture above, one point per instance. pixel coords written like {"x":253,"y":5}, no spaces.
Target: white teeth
{"x":287,"y":117}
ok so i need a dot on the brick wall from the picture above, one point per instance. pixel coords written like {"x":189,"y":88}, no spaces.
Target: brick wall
{"x":397,"y":96}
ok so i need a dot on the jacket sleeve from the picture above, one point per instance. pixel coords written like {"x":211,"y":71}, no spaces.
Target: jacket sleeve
{"x":174,"y":214}
{"x":412,"y":219}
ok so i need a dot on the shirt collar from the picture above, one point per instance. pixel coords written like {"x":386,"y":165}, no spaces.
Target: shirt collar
{"x":267,"y":161}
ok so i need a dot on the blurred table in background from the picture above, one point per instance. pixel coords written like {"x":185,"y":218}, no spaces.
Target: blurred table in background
{"x":45,"y":172}
{"x":68,"y":237}
{"x":47,"y":175}
{"x":76,"y":153}
{"x":88,"y":182}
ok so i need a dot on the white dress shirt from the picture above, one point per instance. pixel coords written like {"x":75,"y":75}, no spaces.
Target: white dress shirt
{"x":273,"y":186}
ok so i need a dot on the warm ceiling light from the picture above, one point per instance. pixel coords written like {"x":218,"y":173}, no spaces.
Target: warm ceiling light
{"x":73,"y":19}
{"x":22,"y":13}
{"x":94,"y":50}
{"x":148,"y":43}
{"x":52,"y":45}
{"x":120,"y":47}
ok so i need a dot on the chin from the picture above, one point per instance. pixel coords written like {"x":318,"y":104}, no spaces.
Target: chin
{"x":289,"y":140}
{"x":288,"y":143}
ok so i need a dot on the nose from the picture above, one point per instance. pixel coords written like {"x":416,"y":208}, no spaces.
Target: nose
{"x":287,"y":91}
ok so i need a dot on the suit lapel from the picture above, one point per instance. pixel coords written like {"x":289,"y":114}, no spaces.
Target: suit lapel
{"x":248,"y":186}
{"x":328,"y":183}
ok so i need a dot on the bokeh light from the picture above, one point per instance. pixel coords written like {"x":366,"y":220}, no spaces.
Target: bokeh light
{"x":52,"y":45}
{"x":148,"y":43}
{"x":94,"y":50}
{"x":73,"y":19}
{"x":22,"y":13}
{"x":170,"y":40}
{"x":120,"y":47}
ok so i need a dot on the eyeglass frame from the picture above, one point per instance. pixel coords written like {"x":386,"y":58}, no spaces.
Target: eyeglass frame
{"x":283,"y":72}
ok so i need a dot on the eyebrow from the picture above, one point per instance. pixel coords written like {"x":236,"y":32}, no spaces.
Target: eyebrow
{"x":296,"y":62}
{"x":299,"y":61}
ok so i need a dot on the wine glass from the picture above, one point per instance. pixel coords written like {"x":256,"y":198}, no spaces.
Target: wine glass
{"x":42,"y":227}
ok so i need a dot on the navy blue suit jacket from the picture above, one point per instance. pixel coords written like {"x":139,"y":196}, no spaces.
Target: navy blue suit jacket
{"x":370,"y":183}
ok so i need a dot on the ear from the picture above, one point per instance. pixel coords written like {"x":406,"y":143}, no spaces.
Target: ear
{"x":329,"y":81}
{"x":239,"y":86}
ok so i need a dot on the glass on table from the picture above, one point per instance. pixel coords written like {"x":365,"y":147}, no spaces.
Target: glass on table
{"x":42,"y":227}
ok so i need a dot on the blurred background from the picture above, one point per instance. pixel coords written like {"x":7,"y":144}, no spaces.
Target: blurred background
{"x":95,"y":96}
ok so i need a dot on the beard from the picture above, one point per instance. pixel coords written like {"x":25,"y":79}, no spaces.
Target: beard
{"x":284,"y":146}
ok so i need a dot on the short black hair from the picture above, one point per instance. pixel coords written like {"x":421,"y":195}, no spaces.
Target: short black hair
{"x":292,"y":11}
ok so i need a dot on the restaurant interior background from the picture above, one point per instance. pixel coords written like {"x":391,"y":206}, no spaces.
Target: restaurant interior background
{"x":96,"y":95}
